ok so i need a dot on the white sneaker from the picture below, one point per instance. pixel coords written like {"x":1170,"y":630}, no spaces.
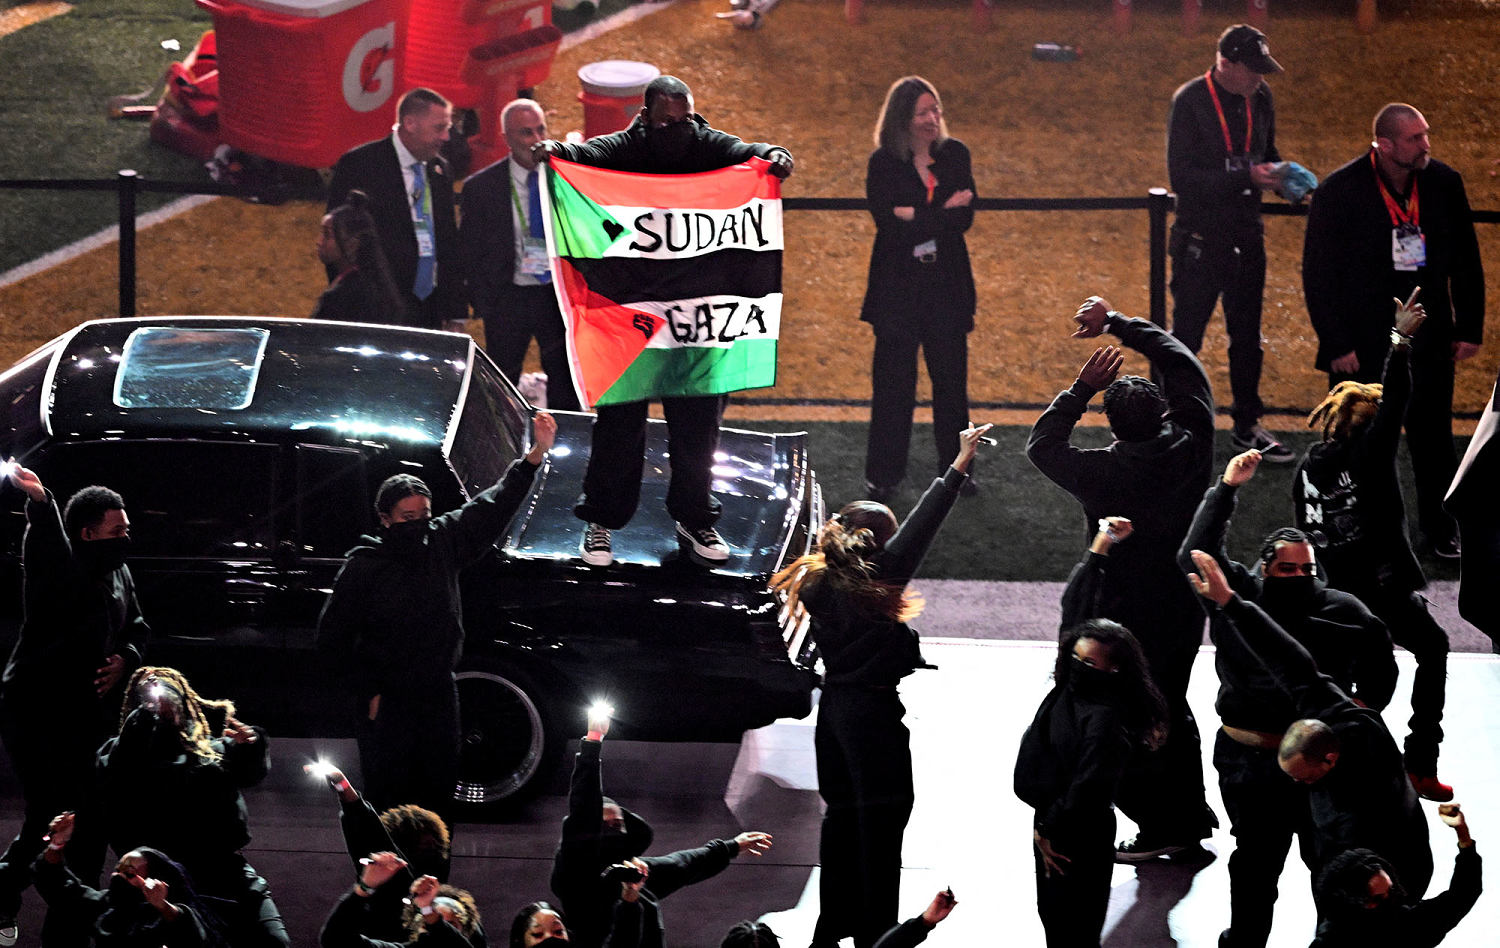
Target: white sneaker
{"x":595,"y":548}
{"x":9,"y":933}
{"x":706,"y":544}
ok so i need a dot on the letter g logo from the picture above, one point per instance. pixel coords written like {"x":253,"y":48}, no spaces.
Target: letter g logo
{"x":370,"y":69}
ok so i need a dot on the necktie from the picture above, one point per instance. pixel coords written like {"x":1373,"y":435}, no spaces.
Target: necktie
{"x":534,"y":214}
{"x":421,"y":202}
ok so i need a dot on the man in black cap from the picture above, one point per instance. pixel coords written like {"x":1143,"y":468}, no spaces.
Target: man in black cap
{"x":1221,"y":154}
{"x":667,"y":137}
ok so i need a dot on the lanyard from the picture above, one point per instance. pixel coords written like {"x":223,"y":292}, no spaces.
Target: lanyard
{"x":1223,"y":122}
{"x":1412,"y":214}
{"x":515,"y":199}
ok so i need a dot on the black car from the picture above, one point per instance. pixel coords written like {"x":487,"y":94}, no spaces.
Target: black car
{"x":248,"y":451}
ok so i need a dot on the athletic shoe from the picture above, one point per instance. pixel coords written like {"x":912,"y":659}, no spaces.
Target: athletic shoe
{"x":1431,"y":788}
{"x":706,"y":544}
{"x":1257,"y":438}
{"x":1143,"y":848}
{"x":595,"y":548}
{"x":9,"y":932}
{"x":1448,"y":549}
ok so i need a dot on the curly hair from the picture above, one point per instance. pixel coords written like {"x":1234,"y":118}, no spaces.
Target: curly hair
{"x":88,"y":506}
{"x":408,"y":824}
{"x":468,"y":912}
{"x":846,"y":546}
{"x":1343,"y":887}
{"x":1134,"y":407}
{"x":750,"y":935}
{"x":1348,"y":408}
{"x":193,"y":730}
{"x":1144,"y":709}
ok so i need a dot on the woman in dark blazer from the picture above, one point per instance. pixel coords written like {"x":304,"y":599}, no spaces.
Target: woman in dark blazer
{"x":921,"y":289}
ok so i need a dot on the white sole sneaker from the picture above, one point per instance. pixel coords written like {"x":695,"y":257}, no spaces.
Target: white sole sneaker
{"x":707,"y":545}
{"x":595,"y":547}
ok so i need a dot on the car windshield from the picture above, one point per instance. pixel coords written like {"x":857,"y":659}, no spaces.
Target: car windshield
{"x":491,"y":429}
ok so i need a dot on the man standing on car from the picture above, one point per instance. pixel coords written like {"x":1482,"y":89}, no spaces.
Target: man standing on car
{"x":395,"y":622}
{"x":667,"y":137}
{"x":81,"y":638}
{"x":1221,"y":148}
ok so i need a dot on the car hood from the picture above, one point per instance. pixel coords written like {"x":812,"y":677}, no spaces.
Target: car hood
{"x":764,"y":482}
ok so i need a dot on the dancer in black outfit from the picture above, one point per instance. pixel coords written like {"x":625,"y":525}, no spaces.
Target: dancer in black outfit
{"x":1102,"y":704}
{"x":1346,"y":494}
{"x":854,"y":588}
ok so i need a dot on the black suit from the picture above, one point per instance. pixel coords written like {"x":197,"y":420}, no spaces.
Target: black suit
{"x":1349,"y":281}
{"x":375,"y":169}
{"x":512,"y":313}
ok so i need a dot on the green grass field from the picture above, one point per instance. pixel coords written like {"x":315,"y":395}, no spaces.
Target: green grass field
{"x":1021,"y":526}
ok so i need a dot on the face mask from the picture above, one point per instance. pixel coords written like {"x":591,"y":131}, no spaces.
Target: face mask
{"x":1090,"y":682}
{"x":102,"y":556}
{"x":1287,"y":596}
{"x":406,"y":534}
{"x":122,"y":893}
{"x":551,"y":940}
{"x":671,"y":141}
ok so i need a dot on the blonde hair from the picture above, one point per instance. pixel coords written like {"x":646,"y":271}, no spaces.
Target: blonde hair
{"x":846,"y":545}
{"x":468,"y":921}
{"x":196,"y":736}
{"x":1349,"y":407}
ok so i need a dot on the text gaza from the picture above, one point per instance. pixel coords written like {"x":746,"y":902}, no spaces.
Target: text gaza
{"x":708,"y":323}
{"x":698,"y":230}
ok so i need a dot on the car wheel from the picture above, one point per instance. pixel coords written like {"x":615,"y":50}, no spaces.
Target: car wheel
{"x":508,"y":749}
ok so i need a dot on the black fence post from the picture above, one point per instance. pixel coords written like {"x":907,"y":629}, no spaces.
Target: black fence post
{"x":128,"y":181}
{"x":1158,"y":203}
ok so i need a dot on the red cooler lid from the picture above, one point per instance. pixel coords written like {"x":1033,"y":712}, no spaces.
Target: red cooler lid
{"x":311,"y":9}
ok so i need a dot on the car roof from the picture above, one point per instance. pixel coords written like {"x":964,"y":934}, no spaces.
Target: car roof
{"x":317,"y":381}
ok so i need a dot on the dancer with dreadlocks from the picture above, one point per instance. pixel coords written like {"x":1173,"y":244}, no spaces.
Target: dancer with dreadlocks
{"x":171,"y":780}
{"x":1348,"y":499}
{"x":854,"y":589}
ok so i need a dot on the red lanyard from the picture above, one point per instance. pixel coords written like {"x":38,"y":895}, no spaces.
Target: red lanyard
{"x":1223,"y":122}
{"x":1412,"y":214}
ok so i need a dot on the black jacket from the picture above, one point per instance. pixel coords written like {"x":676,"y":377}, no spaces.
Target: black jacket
{"x":488,"y":236}
{"x":130,"y":922}
{"x":631,"y":150}
{"x":1349,"y":644}
{"x":347,"y":922}
{"x":395,"y":617}
{"x":1070,"y":763}
{"x":585,"y":850}
{"x":863,"y":648}
{"x":1366,"y":800}
{"x":902,"y":292}
{"x":1347,"y":493}
{"x":74,"y":619}
{"x":354,"y":298}
{"x":1421,"y":925}
{"x":1213,"y":201}
{"x":1350,"y":282}
{"x":375,"y":169}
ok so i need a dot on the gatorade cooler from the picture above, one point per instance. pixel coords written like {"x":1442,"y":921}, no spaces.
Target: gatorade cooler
{"x":612,"y":92}
{"x":440,"y":33}
{"x":303,"y":81}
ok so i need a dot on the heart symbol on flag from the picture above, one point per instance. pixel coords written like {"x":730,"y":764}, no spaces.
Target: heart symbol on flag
{"x":613,"y":229}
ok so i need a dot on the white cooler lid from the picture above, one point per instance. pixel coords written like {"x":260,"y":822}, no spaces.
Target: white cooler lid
{"x":312,"y":9}
{"x":619,"y":78}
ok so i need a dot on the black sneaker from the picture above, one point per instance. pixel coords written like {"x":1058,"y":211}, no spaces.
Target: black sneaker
{"x":1448,"y":549}
{"x":1257,"y":438}
{"x":595,"y":548}
{"x":1143,"y":848}
{"x":705,"y":543}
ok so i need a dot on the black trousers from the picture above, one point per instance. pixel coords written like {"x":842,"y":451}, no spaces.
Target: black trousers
{"x":54,"y":762}
{"x":864,"y":776}
{"x":1266,"y":808}
{"x":1407,"y":616}
{"x":531,"y":311}
{"x":409,"y":753}
{"x":1203,"y":271}
{"x":1162,"y":790}
{"x":893,"y":396}
{"x":1073,"y":904}
{"x":1429,"y":430}
{"x":612,"y":483}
